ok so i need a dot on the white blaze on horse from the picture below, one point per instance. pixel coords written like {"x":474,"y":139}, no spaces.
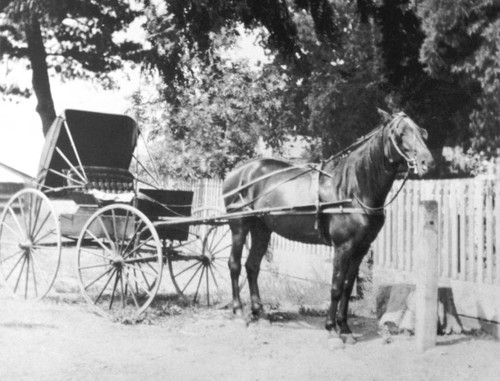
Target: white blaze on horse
{"x":359,"y":181}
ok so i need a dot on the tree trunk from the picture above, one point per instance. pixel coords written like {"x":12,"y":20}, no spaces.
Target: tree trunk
{"x":40,"y":80}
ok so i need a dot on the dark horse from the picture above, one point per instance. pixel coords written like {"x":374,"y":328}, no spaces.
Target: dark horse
{"x":361,"y":179}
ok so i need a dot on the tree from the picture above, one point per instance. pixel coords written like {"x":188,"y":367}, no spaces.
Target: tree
{"x":223,"y":110}
{"x":463,"y":41}
{"x":319,"y":45}
{"x":74,"y":37}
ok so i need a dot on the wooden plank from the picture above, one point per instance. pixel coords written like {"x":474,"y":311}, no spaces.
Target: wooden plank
{"x":489,"y":232}
{"x":445,"y":229}
{"x":400,"y":232}
{"x":471,"y":233}
{"x":426,"y":295}
{"x":454,"y":229}
{"x":497,"y":232}
{"x":463,"y":196}
{"x":479,"y":229}
{"x":387,"y":238}
{"x":415,"y":214}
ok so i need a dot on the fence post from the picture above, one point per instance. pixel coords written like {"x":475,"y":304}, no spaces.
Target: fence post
{"x":427,"y":277}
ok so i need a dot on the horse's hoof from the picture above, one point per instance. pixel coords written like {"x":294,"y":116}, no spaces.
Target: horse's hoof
{"x":238,"y":312}
{"x":349,"y":339}
{"x":335,"y":342}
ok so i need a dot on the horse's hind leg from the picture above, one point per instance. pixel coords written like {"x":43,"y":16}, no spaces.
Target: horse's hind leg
{"x":261,"y":236}
{"x":239,"y":231}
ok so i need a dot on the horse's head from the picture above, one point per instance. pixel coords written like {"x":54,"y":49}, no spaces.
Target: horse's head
{"x":406,"y":143}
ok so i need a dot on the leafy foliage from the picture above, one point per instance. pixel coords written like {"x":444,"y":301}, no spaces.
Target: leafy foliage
{"x":78,"y":34}
{"x":223,"y":111}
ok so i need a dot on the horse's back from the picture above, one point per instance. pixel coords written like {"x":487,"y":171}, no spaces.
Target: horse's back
{"x":259,"y":180}
{"x":270,"y":183}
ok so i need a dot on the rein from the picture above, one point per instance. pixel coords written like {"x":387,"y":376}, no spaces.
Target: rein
{"x":369,"y":208}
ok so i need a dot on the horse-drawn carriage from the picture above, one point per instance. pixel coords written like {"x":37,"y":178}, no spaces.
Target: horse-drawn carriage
{"x":124,"y":229}
{"x":85,"y":198}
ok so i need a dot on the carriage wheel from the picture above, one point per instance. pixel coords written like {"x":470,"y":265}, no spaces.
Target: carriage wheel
{"x":199,"y":270}
{"x":30,"y":245}
{"x":119,"y":261}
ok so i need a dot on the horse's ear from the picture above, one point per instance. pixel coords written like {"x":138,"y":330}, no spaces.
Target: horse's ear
{"x":385,"y":116}
{"x":425,"y":134}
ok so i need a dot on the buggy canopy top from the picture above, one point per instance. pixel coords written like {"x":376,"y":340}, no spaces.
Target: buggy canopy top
{"x":79,"y":139}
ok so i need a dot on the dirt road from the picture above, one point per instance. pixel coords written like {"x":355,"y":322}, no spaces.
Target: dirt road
{"x":64,"y":341}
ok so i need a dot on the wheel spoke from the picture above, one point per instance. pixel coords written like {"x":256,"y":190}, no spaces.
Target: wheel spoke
{"x":27,"y":276}
{"x":144,"y":276}
{"x":114,"y":227}
{"x":16,"y":233}
{"x":192,"y":277}
{"x":122,"y":296}
{"x":29,"y":213}
{"x":208,"y":287}
{"x":147,"y":272}
{"x":220,"y":238}
{"x":213,"y":277}
{"x":132,"y":239}
{"x":38,"y":208}
{"x":137,"y":282}
{"x":98,"y":241}
{"x":23,"y":234}
{"x":138,"y":247}
{"x":35,"y":235}
{"x":15,"y":265}
{"x":124,"y":230}
{"x":95,"y":254}
{"x":132,"y":291}
{"x":10,"y":256}
{"x":20,"y":274}
{"x":93,"y":266}
{"x":23,"y":216}
{"x":220,"y":250}
{"x":186,"y":269}
{"x":118,"y":276}
{"x":199,"y":283}
{"x":35,"y":262}
{"x":34,"y":276}
{"x":99,"y":277}
{"x":52,"y":231}
{"x":105,"y":230}
{"x":105,"y":286}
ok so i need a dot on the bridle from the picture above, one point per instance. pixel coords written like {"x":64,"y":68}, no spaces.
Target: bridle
{"x":411,"y":162}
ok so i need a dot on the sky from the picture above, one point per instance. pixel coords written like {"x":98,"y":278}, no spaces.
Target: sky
{"x":21,"y":137}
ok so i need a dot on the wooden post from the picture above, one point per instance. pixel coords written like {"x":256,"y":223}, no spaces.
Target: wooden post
{"x":426,"y":296}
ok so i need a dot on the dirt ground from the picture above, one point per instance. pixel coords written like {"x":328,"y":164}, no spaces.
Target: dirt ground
{"x":62,"y":340}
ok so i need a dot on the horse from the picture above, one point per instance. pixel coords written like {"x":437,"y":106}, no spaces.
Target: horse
{"x":361,"y":179}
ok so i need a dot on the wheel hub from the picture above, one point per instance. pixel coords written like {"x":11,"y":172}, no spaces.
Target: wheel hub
{"x":26,"y":245}
{"x":117,"y":260}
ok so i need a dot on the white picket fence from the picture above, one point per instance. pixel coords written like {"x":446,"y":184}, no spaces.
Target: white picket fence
{"x":468,"y":240}
{"x":468,"y":229}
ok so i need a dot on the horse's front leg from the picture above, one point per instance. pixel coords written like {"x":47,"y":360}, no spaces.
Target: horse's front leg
{"x":352,"y":272}
{"x":239,"y":231}
{"x":340,"y":267}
